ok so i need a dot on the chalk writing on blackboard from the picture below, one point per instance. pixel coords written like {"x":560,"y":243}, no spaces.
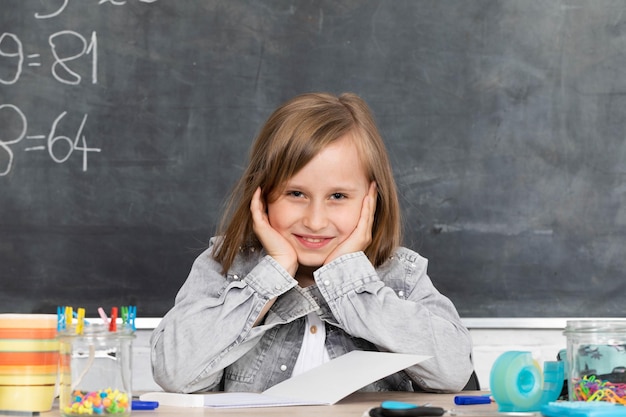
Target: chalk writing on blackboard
{"x":64,"y":4}
{"x":11,"y":48}
{"x":16,"y":59}
{"x":58,"y":146}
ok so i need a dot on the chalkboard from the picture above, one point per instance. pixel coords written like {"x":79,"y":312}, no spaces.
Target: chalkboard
{"x":125,"y":123}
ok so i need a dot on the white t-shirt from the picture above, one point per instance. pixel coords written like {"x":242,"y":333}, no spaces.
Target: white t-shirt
{"x":313,"y":352}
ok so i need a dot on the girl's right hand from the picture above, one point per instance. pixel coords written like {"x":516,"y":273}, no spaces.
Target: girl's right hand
{"x":273,"y":242}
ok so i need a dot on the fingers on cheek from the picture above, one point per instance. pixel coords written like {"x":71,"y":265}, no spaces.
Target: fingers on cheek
{"x":372,"y":206}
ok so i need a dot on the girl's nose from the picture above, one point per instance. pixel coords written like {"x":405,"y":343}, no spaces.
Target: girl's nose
{"x":315,"y":217}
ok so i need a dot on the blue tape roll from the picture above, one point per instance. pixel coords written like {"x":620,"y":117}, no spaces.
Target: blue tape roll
{"x":517,"y":383}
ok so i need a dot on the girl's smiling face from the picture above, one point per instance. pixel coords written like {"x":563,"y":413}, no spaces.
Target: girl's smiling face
{"x":320,"y":206}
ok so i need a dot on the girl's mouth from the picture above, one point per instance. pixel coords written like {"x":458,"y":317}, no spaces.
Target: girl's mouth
{"x":312,"y":242}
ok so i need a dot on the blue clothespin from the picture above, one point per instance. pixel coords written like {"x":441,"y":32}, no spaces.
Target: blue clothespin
{"x":132,"y":315}
{"x":60,"y":318}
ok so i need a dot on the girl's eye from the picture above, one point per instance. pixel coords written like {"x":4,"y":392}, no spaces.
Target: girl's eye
{"x":337,"y":196}
{"x":295,"y":193}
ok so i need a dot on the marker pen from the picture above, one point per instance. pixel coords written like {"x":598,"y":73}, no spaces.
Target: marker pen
{"x":144,"y":405}
{"x":472,"y":399}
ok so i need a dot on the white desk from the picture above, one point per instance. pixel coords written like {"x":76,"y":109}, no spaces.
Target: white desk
{"x":352,"y":406}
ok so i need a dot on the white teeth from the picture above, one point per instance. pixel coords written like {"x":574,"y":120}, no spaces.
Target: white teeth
{"x":308,"y":239}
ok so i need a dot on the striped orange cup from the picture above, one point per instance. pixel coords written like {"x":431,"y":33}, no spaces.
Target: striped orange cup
{"x":29,"y":356}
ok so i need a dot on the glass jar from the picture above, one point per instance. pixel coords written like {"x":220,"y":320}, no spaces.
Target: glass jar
{"x":596,"y":360}
{"x":95,"y":371}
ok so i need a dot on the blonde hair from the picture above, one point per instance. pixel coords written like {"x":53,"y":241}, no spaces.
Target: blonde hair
{"x":293,"y":134}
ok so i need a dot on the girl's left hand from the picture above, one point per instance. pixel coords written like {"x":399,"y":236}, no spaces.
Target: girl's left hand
{"x":361,"y":236}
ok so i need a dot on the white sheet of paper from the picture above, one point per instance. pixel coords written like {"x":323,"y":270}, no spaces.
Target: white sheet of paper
{"x":249,"y":400}
{"x":330,"y":382}
{"x":324,"y":385}
{"x":334,"y":380}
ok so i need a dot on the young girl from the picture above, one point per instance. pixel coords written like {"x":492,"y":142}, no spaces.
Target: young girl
{"x":308,"y":266}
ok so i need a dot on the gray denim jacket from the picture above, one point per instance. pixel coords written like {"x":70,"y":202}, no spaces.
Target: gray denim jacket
{"x":207,"y":340}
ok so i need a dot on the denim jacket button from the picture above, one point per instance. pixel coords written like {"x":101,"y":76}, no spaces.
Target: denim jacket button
{"x":327,"y":282}
{"x":400,"y":293}
{"x":283,"y":368}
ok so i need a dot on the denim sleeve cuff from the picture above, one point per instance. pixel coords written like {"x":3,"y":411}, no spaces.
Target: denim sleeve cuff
{"x":350,"y":272}
{"x":269,"y":278}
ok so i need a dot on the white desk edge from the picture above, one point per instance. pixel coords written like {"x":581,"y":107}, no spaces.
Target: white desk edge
{"x":547,"y":323}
